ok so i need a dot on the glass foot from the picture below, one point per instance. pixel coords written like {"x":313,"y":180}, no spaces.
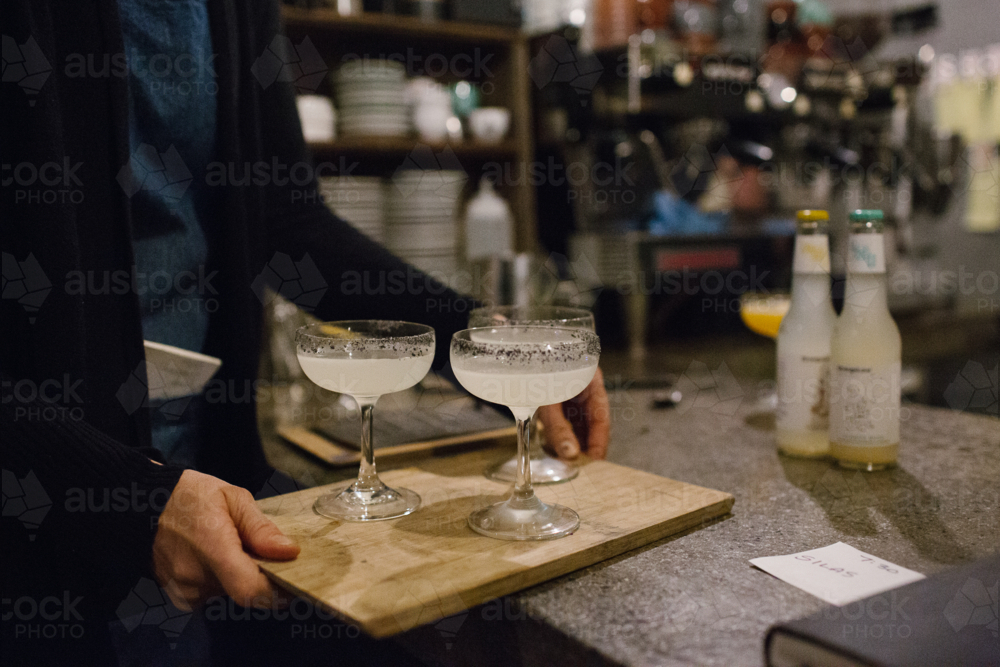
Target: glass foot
{"x":352,"y":505}
{"x":529,"y":519}
{"x":544,"y":470}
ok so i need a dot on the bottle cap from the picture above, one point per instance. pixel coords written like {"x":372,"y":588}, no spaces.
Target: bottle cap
{"x":864,"y":215}
{"x":812,"y":215}
{"x":866,"y":221}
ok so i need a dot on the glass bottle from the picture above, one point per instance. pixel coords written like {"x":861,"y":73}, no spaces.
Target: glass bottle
{"x":865,"y":357}
{"x":804,"y":344}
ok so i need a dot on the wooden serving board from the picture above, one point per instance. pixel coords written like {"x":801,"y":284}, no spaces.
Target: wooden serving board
{"x":390,"y":576}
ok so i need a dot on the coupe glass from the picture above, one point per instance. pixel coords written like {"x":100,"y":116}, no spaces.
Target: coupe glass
{"x":545,"y":469}
{"x":524,"y":367}
{"x":763,"y":312}
{"x":366,"y":359}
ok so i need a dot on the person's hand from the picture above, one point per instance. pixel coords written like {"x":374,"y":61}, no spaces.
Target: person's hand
{"x":583,"y":422}
{"x":201,"y":548}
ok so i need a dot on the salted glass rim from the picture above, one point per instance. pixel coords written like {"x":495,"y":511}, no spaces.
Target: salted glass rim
{"x":561,"y":314}
{"x":312,"y":336}
{"x":579,"y":341}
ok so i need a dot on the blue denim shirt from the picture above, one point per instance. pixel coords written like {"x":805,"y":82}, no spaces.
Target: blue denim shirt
{"x":172,"y":136}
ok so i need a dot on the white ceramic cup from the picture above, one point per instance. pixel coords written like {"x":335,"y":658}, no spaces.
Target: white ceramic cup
{"x":317,"y":116}
{"x":489,"y":124}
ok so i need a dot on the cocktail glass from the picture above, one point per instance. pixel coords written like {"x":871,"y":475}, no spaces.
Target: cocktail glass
{"x":763,"y":312}
{"x":524,"y":367}
{"x":545,"y":469}
{"x":365,"y":359}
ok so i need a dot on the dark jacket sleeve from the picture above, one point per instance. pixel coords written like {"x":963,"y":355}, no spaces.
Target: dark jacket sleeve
{"x":78,"y":500}
{"x":79,"y":506}
{"x":364,"y":280}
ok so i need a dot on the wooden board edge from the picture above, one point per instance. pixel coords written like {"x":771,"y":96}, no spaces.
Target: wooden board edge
{"x":288,"y":587}
{"x":320,"y":447}
{"x":334,"y":454}
{"x":480,"y":436}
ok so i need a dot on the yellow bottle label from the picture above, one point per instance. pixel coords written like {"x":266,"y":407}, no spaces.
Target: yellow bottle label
{"x":812,"y":254}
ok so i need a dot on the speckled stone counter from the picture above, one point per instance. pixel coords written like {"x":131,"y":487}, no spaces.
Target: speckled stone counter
{"x":693,"y":599}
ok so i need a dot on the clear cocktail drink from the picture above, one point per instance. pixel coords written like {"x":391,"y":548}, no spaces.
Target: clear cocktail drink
{"x":545,"y":469}
{"x":366,"y":377}
{"x":366,"y":359}
{"x":524,"y":367}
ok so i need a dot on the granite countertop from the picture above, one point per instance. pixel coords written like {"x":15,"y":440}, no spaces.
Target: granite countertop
{"x":693,"y":599}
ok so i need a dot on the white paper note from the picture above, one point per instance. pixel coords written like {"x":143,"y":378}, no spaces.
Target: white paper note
{"x":173,"y":372}
{"x":838,"y":574}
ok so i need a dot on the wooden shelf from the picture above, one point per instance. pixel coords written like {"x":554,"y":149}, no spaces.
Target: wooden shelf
{"x":401,"y":145}
{"x":504,"y":49}
{"x":397,"y":26}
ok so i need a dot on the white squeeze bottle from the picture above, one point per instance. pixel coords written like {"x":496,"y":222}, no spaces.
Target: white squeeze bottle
{"x":865,"y":357}
{"x":804,"y":344}
{"x":489,"y":225}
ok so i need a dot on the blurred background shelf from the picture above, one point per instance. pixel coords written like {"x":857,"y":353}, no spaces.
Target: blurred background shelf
{"x":391,"y":25}
{"x":401,"y":146}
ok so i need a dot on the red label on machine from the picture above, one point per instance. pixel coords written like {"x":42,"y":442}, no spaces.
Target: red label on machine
{"x":698,"y":260}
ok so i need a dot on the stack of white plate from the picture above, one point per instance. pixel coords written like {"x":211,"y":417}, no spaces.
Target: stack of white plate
{"x":371,"y":98}
{"x":358,"y":199}
{"x":422,"y":218}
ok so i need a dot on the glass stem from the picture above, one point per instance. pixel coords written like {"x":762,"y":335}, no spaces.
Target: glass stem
{"x":522,"y":482}
{"x":535,"y":452}
{"x":367,"y":475}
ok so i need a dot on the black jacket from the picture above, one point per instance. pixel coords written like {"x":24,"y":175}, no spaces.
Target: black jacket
{"x":81,"y":433}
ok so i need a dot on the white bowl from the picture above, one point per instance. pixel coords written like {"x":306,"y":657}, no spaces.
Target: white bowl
{"x":489,"y":124}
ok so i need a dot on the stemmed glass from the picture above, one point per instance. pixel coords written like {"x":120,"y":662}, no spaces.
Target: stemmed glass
{"x":762,"y":312}
{"x":365,"y":359}
{"x":545,"y":469}
{"x":524,"y":367}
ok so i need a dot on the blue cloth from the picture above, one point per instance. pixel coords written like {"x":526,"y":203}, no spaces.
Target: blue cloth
{"x":676,"y":217}
{"x":172,"y":136}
